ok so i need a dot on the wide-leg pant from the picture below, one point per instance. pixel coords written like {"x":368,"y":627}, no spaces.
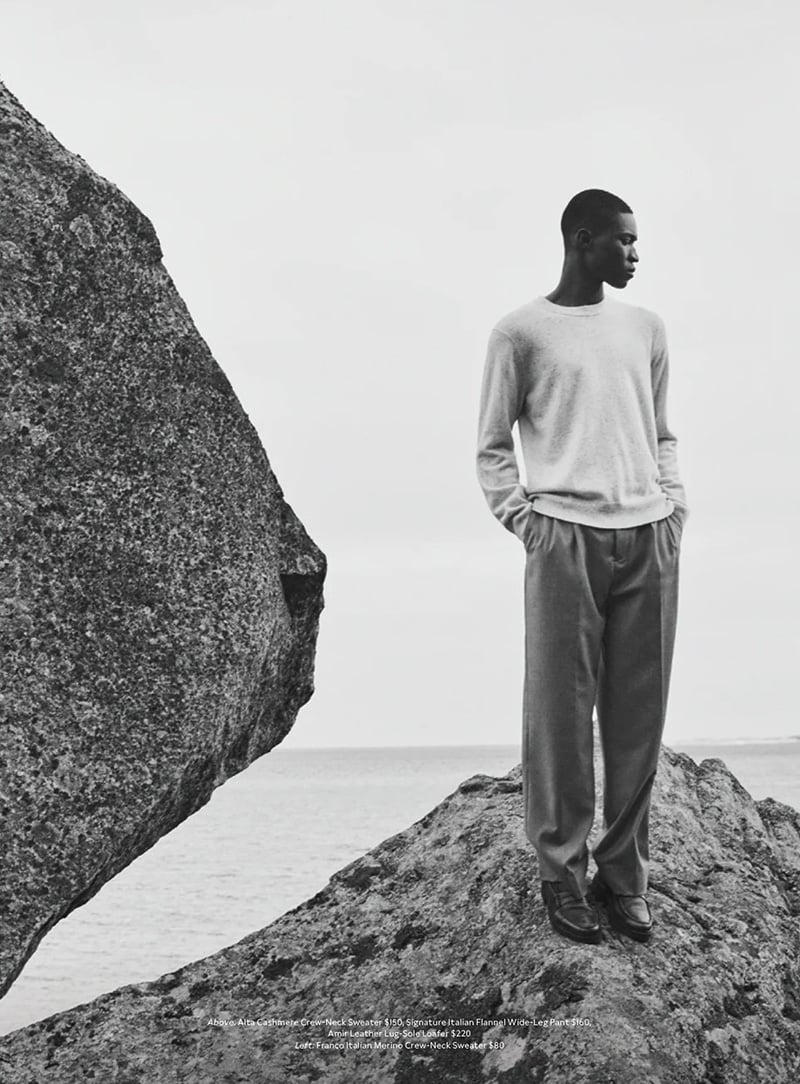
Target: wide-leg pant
{"x":600,"y":615}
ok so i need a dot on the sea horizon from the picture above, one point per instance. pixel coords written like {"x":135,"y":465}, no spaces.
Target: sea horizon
{"x":768,"y":740}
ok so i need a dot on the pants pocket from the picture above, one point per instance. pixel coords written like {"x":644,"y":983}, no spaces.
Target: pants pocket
{"x":532,"y":529}
{"x":673,"y":530}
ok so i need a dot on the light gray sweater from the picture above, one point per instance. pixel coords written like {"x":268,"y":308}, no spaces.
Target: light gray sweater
{"x":587,"y":388}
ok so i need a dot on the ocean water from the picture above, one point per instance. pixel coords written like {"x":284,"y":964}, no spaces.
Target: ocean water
{"x":269,"y":839}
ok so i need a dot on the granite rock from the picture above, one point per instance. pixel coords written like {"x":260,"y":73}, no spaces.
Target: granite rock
{"x":159,"y":600}
{"x":441,"y":929}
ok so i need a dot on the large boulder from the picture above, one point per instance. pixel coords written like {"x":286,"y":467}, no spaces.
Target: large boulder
{"x":159,"y":600}
{"x":433,"y":959}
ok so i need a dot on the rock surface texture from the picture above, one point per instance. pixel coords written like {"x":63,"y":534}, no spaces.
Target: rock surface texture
{"x":444,"y":922}
{"x":159,"y":601}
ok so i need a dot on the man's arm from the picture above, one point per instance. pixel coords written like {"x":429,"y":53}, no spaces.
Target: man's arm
{"x":502,"y":397}
{"x":669,"y":478}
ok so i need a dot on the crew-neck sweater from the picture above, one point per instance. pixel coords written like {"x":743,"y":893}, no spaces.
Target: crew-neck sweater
{"x":586,"y":386}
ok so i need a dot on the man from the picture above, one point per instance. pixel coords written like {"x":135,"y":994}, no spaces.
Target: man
{"x":585,"y":380}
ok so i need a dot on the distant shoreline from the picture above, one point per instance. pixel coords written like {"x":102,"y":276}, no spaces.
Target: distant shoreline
{"x":791,"y":739}
{"x":787,"y":740}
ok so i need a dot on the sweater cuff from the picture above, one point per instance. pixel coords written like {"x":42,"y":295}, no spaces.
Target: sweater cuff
{"x":680,"y":512}
{"x":521,"y":520}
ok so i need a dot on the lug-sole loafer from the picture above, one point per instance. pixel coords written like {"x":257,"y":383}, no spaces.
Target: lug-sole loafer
{"x":569,"y":915}
{"x":629,"y":915}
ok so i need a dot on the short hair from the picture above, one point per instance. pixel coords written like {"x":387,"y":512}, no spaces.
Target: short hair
{"x":594,"y":209}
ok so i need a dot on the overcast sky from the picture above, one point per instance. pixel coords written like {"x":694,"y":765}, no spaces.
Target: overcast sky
{"x":350,"y":194}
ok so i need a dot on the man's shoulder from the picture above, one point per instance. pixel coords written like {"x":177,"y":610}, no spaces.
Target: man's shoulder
{"x":522,"y":320}
{"x":636,"y":314}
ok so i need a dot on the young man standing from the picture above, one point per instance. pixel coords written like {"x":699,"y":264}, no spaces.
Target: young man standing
{"x":601,"y":515}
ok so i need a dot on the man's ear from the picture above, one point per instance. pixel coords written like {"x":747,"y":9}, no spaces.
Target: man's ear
{"x":583,"y":237}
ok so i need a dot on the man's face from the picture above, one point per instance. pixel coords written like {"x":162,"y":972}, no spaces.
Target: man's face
{"x":611,"y":255}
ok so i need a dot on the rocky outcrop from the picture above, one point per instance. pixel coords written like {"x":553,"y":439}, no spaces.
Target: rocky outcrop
{"x":159,"y":600}
{"x":433,"y":958}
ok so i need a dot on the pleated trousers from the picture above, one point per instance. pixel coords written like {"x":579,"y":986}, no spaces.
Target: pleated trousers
{"x":600,"y":617}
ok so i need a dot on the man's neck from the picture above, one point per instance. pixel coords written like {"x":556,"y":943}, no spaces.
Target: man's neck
{"x":575,"y":290}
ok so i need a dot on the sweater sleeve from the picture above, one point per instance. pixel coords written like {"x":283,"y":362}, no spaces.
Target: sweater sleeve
{"x":501,"y":401}
{"x":668,"y":475}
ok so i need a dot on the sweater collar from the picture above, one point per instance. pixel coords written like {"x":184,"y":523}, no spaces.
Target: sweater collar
{"x":575,"y":310}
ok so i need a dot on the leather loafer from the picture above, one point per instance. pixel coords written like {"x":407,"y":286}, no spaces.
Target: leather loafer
{"x":572,"y":916}
{"x":627,"y":914}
